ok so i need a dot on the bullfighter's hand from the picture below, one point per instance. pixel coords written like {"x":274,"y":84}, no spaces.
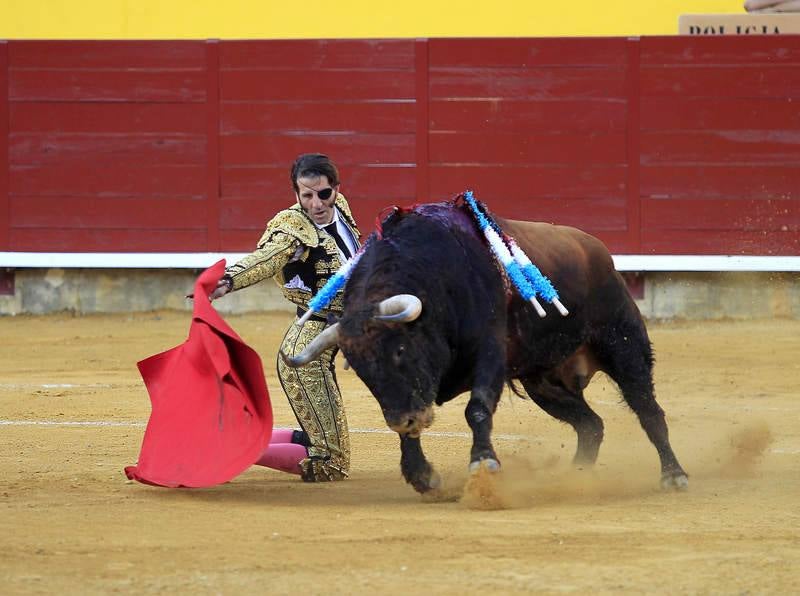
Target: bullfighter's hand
{"x":223,"y":287}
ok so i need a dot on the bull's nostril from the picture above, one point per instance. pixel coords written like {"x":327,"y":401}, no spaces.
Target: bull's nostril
{"x":409,"y":423}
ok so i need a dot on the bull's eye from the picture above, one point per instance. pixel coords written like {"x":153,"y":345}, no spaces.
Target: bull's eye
{"x":398,"y":354}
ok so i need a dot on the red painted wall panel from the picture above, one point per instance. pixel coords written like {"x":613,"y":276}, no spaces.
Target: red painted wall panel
{"x":106,"y":240}
{"x":583,"y":149}
{"x":323,"y":116}
{"x":113,"y":55}
{"x":659,"y":145}
{"x":89,"y":213}
{"x":490,"y":116}
{"x":103,"y":118}
{"x":318,"y":54}
{"x":709,"y":50}
{"x":352,"y":99}
{"x":719,"y":113}
{"x":720,"y":146}
{"x":106,"y":181}
{"x":5,"y":207}
{"x":523,"y":53}
{"x":366,"y":148}
{"x":108,"y":146}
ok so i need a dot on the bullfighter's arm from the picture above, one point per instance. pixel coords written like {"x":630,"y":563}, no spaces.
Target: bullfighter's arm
{"x":272,"y":253}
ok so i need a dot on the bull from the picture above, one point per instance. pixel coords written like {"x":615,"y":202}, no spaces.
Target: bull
{"x":428,"y":316}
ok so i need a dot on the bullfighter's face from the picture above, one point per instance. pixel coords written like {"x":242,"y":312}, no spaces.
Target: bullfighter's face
{"x":317,"y":198}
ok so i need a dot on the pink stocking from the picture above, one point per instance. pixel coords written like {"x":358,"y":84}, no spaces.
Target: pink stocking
{"x":281,"y":435}
{"x":285,"y":457}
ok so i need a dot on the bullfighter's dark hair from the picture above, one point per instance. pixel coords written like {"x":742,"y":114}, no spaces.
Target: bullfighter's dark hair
{"x":313,"y":165}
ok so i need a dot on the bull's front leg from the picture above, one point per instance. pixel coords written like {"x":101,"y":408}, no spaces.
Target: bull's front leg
{"x":480,"y":410}
{"x":416,"y":469}
{"x":479,"y":414}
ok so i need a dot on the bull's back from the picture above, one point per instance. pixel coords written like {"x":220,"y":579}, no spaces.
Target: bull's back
{"x":564,"y":254}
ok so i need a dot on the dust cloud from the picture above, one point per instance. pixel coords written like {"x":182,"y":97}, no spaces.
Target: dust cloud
{"x":526,"y":482}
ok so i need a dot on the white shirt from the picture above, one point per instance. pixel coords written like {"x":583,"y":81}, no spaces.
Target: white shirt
{"x":344,"y":233}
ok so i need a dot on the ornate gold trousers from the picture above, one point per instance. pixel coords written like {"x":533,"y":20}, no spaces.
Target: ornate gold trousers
{"x":314,"y":396}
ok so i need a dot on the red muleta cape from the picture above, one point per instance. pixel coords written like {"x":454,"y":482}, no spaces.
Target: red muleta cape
{"x":211,"y":416}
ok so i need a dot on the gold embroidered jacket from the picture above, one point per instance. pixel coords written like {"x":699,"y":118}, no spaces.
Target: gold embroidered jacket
{"x":296,"y":254}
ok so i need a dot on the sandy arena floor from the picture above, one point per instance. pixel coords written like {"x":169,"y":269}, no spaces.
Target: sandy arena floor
{"x":72,"y":414}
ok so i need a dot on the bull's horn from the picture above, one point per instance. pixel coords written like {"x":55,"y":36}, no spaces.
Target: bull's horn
{"x":325,"y":340}
{"x":402,"y":308}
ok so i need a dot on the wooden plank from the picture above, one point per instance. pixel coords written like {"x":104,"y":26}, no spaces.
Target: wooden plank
{"x":732,"y":51}
{"x":108,"y":85}
{"x":213,"y":156}
{"x":719,"y":113}
{"x":132,"y":149}
{"x":251,"y":214}
{"x":239,"y":240}
{"x":721,"y":214}
{"x":492,"y":183}
{"x":422,"y":142}
{"x":317,"y":54}
{"x":5,"y":207}
{"x":722,"y":81}
{"x":633,"y":143}
{"x":587,"y":214}
{"x":748,"y":147}
{"x":616,"y":241}
{"x":91,"y":213}
{"x":519,"y":116}
{"x":528,"y":83}
{"x":522,"y":53}
{"x":122,"y":118}
{"x":739,"y":24}
{"x":105,"y":240}
{"x":376,"y":116}
{"x":344,"y":149}
{"x":120,"y":180}
{"x":720,"y":182}
{"x":720,"y":242}
{"x":391,"y":183}
{"x":297,"y":85}
{"x":532,"y":148}
{"x":115,"y":54}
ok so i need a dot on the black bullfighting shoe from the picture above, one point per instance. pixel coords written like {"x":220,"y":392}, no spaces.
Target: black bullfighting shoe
{"x":320,"y":469}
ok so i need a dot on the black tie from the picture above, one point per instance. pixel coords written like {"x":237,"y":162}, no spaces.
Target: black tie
{"x":331,"y":229}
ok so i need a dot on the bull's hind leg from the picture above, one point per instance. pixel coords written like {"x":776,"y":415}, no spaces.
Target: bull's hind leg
{"x":626,"y":356}
{"x":569,"y":406}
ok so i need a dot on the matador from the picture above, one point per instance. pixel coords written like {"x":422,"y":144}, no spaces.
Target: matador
{"x":301,"y":248}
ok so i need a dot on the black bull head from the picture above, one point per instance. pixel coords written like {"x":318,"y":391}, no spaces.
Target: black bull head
{"x":399,"y":414}
{"x":449,"y":326}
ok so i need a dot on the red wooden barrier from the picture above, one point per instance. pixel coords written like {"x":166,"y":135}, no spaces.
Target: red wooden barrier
{"x":658,"y":146}
{"x":5,"y":215}
{"x":720,"y":145}
{"x":107,"y":146}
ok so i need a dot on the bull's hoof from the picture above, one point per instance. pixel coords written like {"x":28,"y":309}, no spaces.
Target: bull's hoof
{"x":488,"y":464}
{"x":675,"y":482}
{"x":485,"y":489}
{"x":424,"y":486}
{"x":438,"y":493}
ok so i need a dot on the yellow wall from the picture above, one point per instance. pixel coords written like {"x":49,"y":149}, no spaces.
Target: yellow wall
{"x":230,"y":19}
